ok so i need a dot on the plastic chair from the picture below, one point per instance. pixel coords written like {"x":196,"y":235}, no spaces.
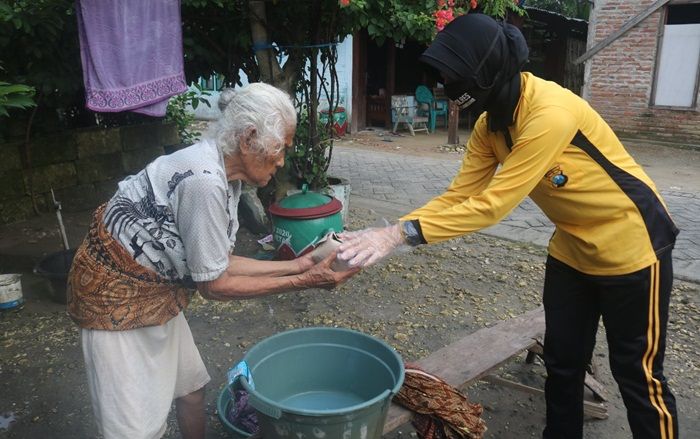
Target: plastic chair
{"x":403,"y":110}
{"x":427,"y":105}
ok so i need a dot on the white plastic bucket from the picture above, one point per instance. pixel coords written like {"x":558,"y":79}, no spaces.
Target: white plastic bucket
{"x":10,"y":291}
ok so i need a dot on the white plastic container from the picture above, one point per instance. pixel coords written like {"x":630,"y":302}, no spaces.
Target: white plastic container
{"x":327,"y":245}
{"x":10,"y":291}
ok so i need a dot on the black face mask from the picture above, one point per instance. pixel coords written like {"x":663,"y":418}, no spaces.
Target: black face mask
{"x":468,"y":96}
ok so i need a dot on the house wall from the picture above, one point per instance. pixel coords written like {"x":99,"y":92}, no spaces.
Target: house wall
{"x":82,"y":166}
{"x":619,"y":78}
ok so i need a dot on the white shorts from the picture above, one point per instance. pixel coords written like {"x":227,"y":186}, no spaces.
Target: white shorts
{"x":134,"y":375}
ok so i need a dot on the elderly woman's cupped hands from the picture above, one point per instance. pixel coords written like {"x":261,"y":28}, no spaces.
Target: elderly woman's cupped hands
{"x":323,"y":275}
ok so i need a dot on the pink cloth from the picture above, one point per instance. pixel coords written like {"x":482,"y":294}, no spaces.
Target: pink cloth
{"x":131,"y":51}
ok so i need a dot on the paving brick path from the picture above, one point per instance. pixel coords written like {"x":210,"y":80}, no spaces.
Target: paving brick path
{"x":393,"y":183}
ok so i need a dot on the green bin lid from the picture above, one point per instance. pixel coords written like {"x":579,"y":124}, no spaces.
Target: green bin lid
{"x":306,"y":205}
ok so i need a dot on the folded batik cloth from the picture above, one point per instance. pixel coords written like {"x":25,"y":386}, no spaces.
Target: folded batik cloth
{"x":131,"y":52}
{"x":108,"y":290}
{"x":440,"y":410}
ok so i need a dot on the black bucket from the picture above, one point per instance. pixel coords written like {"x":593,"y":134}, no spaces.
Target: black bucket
{"x":55,"y":267}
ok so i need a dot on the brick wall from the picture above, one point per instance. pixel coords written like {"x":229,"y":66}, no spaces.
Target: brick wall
{"x":619,"y":78}
{"x":83,"y":167}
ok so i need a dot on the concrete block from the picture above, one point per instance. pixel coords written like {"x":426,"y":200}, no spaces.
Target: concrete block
{"x":134,"y":161}
{"x":98,"y":141}
{"x":99,"y":167}
{"x":57,"y":176}
{"x":16,"y":210}
{"x":10,"y":156}
{"x":79,"y":198}
{"x":12,"y":185}
{"x":105,"y":189}
{"x":167,"y":134}
{"x":54,"y":149}
{"x":137,"y":137}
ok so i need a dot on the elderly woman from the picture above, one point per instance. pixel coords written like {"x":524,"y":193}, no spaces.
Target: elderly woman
{"x":168,"y":230}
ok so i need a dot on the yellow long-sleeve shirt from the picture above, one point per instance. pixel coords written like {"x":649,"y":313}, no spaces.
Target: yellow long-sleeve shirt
{"x":608,"y":214}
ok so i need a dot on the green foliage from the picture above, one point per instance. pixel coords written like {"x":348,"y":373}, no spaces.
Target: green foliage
{"x":297,"y":32}
{"x":178,"y":112}
{"x":394,"y":20}
{"x":216,"y":37}
{"x":39,"y":47}
{"x":211,"y":45}
{"x":39,"y":43}
{"x":15,"y":96}
{"x":313,"y":143}
{"x":399,"y":20}
{"x":310,"y":160}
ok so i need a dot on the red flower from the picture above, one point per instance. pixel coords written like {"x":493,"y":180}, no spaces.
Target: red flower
{"x":474,"y":5}
{"x":344,"y":3}
{"x":443,"y":17}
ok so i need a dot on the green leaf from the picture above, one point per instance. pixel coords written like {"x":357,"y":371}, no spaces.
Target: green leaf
{"x":14,"y":88}
{"x":19,"y":102}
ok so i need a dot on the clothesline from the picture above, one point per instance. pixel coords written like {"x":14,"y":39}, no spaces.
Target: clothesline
{"x":262,"y":46}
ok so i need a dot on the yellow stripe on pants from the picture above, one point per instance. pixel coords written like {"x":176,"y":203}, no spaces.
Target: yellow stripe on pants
{"x":653,"y":330}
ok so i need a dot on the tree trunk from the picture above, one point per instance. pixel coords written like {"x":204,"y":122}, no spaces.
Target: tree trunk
{"x":270,"y":70}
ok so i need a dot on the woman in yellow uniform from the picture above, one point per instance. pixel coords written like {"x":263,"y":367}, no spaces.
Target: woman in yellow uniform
{"x":610,"y":255}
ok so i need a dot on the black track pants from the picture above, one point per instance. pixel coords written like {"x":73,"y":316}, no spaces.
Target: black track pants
{"x":634,"y":308}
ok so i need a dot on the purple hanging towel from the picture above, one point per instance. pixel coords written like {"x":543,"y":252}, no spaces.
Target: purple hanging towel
{"x":131,"y":52}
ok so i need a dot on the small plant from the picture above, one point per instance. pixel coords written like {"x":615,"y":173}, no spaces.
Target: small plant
{"x":15,"y":96}
{"x":310,"y":159}
{"x":180,"y":114}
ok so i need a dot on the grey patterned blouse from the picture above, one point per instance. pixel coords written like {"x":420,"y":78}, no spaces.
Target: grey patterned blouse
{"x":178,"y":216}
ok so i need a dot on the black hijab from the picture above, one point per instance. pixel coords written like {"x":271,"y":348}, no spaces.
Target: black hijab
{"x":481,"y":60}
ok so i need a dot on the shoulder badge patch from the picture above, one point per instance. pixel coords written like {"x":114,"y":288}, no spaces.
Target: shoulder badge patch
{"x":556,"y":177}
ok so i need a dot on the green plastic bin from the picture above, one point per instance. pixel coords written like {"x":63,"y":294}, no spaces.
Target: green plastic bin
{"x":299,"y":221}
{"x":340,"y":120}
{"x":323,"y":383}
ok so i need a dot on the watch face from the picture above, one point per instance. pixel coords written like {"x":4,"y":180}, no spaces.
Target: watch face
{"x":411,"y":234}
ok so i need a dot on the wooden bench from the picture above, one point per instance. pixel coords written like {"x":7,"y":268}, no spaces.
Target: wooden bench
{"x":478,"y":354}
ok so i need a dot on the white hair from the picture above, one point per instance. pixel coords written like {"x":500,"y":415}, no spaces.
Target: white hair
{"x":260,"y":107}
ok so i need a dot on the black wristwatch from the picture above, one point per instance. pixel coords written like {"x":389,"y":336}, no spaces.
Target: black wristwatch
{"x":412,"y":233}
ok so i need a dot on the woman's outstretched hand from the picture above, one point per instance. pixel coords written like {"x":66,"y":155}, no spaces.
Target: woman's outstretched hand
{"x":366,"y":247}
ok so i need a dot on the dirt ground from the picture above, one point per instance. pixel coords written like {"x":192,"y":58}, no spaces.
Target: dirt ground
{"x":417,"y":302}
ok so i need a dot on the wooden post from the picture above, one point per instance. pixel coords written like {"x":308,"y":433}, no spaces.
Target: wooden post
{"x":359,"y":82}
{"x":390,"y":82}
{"x":453,"y":124}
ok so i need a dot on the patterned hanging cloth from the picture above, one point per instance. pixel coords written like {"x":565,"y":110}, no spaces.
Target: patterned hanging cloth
{"x":440,"y":410}
{"x":131,"y":52}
